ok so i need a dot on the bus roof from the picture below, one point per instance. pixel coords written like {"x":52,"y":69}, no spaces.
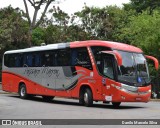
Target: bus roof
{"x":112,"y":45}
{"x":40,"y":48}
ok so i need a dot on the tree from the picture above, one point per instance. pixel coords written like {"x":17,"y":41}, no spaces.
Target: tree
{"x":62,"y":28}
{"x":13,"y":28}
{"x":142,"y":5}
{"x":119,"y":18}
{"x":34,"y":23}
{"x":95,"y":21}
{"x":38,"y":36}
{"x":144,"y":31}
{"x":104,"y":23}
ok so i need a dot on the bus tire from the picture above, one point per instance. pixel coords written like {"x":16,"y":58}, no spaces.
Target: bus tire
{"x":23,"y":91}
{"x":47,"y":98}
{"x":88,"y":97}
{"x":81,"y":99}
{"x":116,"y":104}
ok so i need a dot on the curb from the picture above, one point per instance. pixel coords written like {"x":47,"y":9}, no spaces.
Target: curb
{"x":155,"y":100}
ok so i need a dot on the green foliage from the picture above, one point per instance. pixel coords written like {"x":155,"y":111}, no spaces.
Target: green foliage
{"x":38,"y":36}
{"x":119,"y":18}
{"x":142,"y":5}
{"x":59,"y":17}
{"x":13,"y":28}
{"x":55,"y":34}
{"x":144,"y":32}
{"x":96,"y":22}
{"x":61,"y":28}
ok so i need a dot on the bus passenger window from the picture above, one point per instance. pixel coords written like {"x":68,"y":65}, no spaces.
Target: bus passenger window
{"x":80,"y":57}
{"x":6,"y":60}
{"x":9,"y":60}
{"x":48,"y":59}
{"x":44,"y":59}
{"x":37,"y":60}
{"x":53,"y":58}
{"x":17,"y":63}
{"x":18,"y":60}
{"x":74,"y":57}
{"x":63,"y":57}
{"x":29,"y":60}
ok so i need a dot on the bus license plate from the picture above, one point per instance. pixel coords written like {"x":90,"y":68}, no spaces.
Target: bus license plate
{"x":138,"y":98}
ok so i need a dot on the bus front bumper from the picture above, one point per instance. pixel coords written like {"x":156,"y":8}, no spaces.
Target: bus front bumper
{"x":129,"y":94}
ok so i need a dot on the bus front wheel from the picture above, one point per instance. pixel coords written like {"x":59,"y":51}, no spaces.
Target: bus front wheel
{"x":23,"y":91}
{"x":87,"y":97}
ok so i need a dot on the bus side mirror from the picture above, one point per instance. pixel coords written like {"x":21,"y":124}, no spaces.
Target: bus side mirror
{"x":156,"y":63}
{"x":116,"y":55}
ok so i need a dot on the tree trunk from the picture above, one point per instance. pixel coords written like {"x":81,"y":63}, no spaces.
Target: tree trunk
{"x":30,"y":37}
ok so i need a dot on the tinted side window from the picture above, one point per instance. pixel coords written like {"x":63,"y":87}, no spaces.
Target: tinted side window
{"x":98,"y":57}
{"x":80,"y":57}
{"x":96,"y":50}
{"x":31,"y":59}
{"x":63,"y":57}
{"x":13,"y":60}
{"x":18,"y":58}
{"x":7,"y":60}
{"x":37,"y":59}
{"x":49,"y":58}
{"x":60,"y":57}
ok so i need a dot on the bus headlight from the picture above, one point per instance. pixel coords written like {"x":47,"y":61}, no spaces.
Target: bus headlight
{"x":117,"y":87}
{"x":129,"y":88}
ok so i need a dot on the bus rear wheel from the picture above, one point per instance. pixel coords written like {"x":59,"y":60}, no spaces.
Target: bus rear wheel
{"x":47,"y":98}
{"x":116,"y":104}
{"x":86,"y":98}
{"x":23,"y":92}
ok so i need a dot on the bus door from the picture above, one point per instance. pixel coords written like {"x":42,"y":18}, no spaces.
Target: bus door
{"x":109,"y":74}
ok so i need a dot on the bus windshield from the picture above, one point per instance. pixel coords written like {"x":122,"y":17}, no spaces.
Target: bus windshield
{"x":133,"y":69}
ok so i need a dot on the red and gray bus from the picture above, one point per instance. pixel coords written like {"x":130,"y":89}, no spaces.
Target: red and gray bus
{"x":86,"y":70}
